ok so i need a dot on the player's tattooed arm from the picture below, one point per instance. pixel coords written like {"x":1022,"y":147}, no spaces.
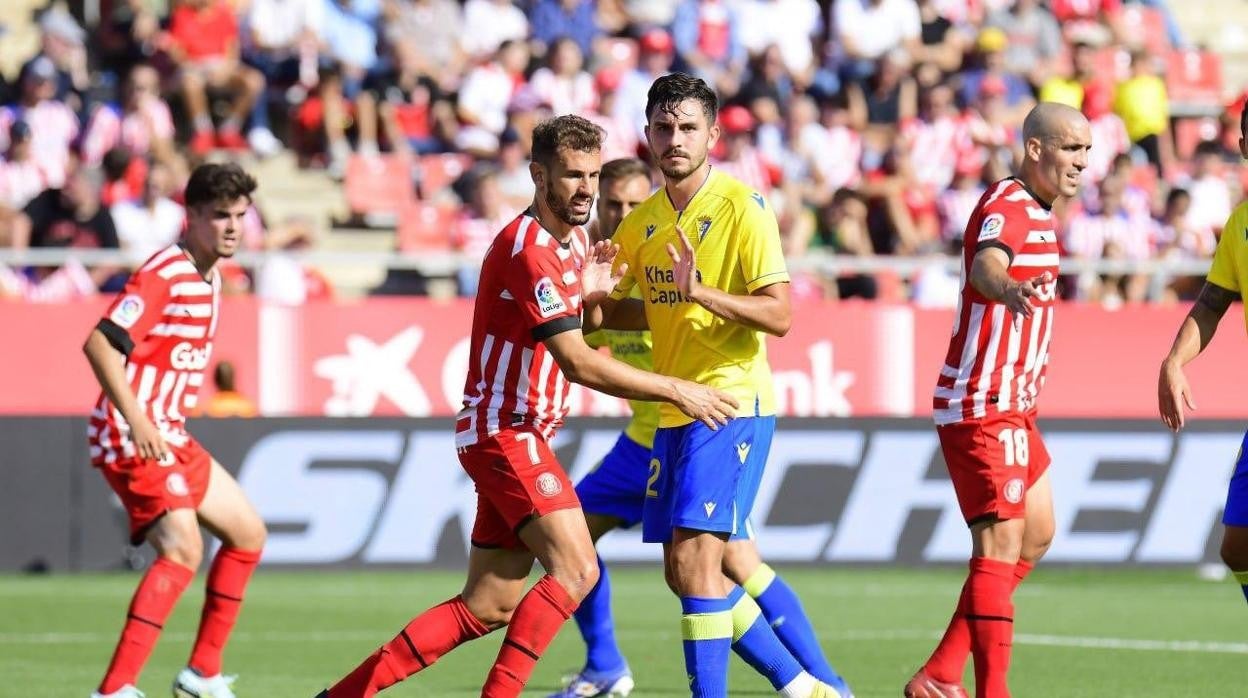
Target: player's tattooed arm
{"x":1209,"y":308}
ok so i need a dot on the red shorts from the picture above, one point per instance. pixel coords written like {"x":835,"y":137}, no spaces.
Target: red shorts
{"x":518,"y":479}
{"x":993,"y":462}
{"x":149,"y":489}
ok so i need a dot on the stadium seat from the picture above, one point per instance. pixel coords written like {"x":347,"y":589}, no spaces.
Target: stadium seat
{"x":1195,"y":78}
{"x":378,"y":187}
{"x":1146,"y":27}
{"x":438,"y":171}
{"x":425,"y":227}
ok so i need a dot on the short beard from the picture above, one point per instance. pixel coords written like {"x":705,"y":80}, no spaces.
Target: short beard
{"x":563,"y":210}
{"x":677,"y":175}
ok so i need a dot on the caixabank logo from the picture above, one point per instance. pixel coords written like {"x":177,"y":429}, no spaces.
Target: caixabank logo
{"x":390,"y":492}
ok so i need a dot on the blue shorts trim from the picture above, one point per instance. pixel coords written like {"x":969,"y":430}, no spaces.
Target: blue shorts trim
{"x":1236,"y":511}
{"x":617,"y":485}
{"x":704,"y":479}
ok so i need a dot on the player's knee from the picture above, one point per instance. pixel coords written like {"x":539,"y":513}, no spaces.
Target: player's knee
{"x":493,"y":612}
{"x":581,"y":578}
{"x":187,"y":551}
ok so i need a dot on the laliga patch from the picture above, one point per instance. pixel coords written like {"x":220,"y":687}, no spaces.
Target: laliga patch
{"x":992,"y":227}
{"x":128,"y":311}
{"x":1013,"y":491}
{"x":548,"y":485}
{"x":549,"y":302}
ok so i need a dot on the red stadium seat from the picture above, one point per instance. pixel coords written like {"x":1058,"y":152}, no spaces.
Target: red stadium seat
{"x":1194,"y":77}
{"x":378,"y":186}
{"x":438,"y":171}
{"x":1146,"y":27}
{"x":425,"y":227}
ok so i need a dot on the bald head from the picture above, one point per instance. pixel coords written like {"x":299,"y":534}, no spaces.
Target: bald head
{"x":1050,"y":119}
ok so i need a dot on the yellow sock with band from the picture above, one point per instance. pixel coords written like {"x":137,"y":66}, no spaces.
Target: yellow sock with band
{"x":1242,"y":578}
{"x":706,"y":631}
{"x":786,"y":616}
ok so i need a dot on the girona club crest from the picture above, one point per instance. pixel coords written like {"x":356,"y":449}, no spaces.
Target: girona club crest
{"x":548,"y":485}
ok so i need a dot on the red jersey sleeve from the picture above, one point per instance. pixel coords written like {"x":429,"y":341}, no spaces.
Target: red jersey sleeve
{"x":135,"y":311}
{"x":535,"y":278}
{"x":1004,"y":225}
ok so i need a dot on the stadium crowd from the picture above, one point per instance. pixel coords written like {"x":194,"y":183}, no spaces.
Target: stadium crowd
{"x":873,"y":126}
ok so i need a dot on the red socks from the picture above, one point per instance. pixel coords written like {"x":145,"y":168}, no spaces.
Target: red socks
{"x":534,"y":624}
{"x":949,"y":659}
{"x":429,"y":636}
{"x":990,"y":615}
{"x":227,"y":579}
{"x":159,"y":590}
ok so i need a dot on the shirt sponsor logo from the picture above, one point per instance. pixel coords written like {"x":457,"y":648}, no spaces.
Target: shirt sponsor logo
{"x":549,"y":303}
{"x":187,"y":357}
{"x":991,"y":227}
{"x":128,"y":311}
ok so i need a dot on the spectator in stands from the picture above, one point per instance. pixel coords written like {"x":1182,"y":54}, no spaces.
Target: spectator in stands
{"x":1111,"y":233}
{"x":1034,"y":40}
{"x":350,"y":57}
{"x":1209,"y":189}
{"x":1068,"y":88}
{"x":790,"y":25}
{"x":879,"y":105}
{"x":845,"y":231}
{"x":426,"y":34}
{"x":992,"y":133}
{"x":620,"y":140}
{"x":1097,"y":21}
{"x":707,"y":34}
{"x":515,"y":184}
{"x":485,"y":213}
{"x":485,"y":96}
{"x":766,"y":79}
{"x":1178,"y":240}
{"x":1108,"y":132}
{"x":128,"y":36}
{"x":990,"y":48}
{"x":204,"y":44}
{"x":153,"y":222}
{"x":227,"y":401}
{"x":797,"y":150}
{"x":1144,"y":106}
{"x":492,"y":22}
{"x":940,"y":48}
{"x":53,"y":125}
{"x":657,"y":52}
{"x":61,"y":41}
{"x":555,"y":19}
{"x":141,"y":123}
{"x":739,"y":157}
{"x":868,"y":30}
{"x":283,"y":41}
{"x":562,"y":82}
{"x":956,"y":204}
{"x":21,"y":179}
{"x":71,"y":216}
{"x":841,"y":164}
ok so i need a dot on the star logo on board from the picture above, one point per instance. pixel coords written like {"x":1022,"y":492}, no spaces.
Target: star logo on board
{"x":371,"y":370}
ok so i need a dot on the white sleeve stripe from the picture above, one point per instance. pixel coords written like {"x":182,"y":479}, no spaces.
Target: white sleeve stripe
{"x":175,"y":268}
{"x":189,"y":310}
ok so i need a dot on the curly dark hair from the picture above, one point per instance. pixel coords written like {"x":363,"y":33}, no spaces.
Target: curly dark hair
{"x":668,"y":92}
{"x":212,"y":183}
{"x":567,"y":131}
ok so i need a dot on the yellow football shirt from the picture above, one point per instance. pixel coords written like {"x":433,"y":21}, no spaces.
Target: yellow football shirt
{"x":1143,"y":105}
{"x":636,"y":349}
{"x":737,"y":243}
{"x":1230,"y":261}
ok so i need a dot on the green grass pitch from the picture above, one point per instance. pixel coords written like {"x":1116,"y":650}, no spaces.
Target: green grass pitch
{"x":1078,"y":632}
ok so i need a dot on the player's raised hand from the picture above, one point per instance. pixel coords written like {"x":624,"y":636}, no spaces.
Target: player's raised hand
{"x":684,"y":265}
{"x":599,"y":277}
{"x":708,"y":405}
{"x":1018,"y":298}
{"x":1173,"y":393}
{"x":147,"y":439}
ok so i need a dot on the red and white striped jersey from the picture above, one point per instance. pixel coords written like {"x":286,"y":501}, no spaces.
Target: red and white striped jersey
{"x":996,"y":362}
{"x":530,"y":291}
{"x":110,"y":126}
{"x":164,"y":321}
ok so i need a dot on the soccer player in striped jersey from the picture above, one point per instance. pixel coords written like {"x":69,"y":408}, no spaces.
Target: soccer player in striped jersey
{"x":1227,"y":282}
{"x":985,"y":400}
{"x":149,"y":353}
{"x":526,"y":345}
{"x":614,"y":493}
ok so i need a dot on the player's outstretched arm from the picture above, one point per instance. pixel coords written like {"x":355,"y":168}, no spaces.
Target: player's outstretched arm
{"x":991,"y":277}
{"x":1173,"y":392}
{"x":768,"y":309}
{"x":616,"y":314}
{"x":604,"y":374}
{"x":109,"y":366}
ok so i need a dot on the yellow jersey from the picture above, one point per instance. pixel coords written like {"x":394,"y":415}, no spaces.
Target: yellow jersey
{"x":1230,"y":261}
{"x":636,"y":349}
{"x":1143,"y":105}
{"x":737,"y":244}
